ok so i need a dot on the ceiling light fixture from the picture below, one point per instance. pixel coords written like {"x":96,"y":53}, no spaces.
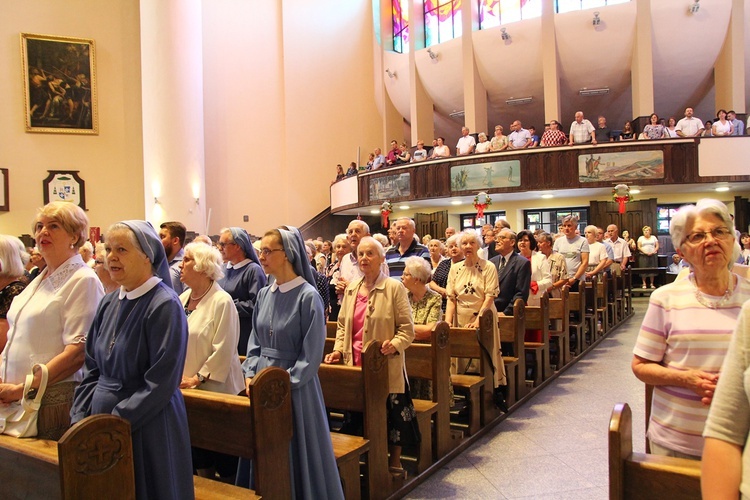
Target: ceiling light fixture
{"x":584,"y":92}
{"x":456,"y":202}
{"x":513,"y":101}
{"x":548,"y":196}
{"x":404,"y":207}
{"x":722,"y":189}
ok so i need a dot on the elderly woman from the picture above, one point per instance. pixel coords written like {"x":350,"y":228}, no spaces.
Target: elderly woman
{"x":440,"y":272}
{"x":499,"y":141}
{"x":100,"y":268}
{"x":11,"y":272}
{"x":541,"y":280}
{"x":687,"y":329}
{"x":648,"y":246}
{"x":49,"y":320}
{"x":294,"y":340}
{"x":376,"y":307}
{"x":211,"y":362}
{"x":435,"y":246}
{"x":483,"y":146}
{"x":598,"y":259}
{"x":135,"y":356}
{"x":726,"y":455}
{"x":341,"y":247}
{"x":472,"y":288}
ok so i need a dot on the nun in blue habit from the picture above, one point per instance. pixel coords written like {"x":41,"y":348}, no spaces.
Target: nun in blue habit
{"x":289,"y":331}
{"x":243,"y":279}
{"x":135,"y":355}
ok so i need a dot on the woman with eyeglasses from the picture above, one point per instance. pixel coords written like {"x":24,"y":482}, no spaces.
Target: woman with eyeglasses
{"x":553,"y":136}
{"x":289,"y":331}
{"x":687,"y":329}
{"x":211,"y":363}
{"x":243,"y":278}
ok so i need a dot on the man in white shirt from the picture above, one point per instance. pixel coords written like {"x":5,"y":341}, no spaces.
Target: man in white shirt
{"x":619,"y":249}
{"x":349,"y":269}
{"x":581,"y":131}
{"x":689,"y":126}
{"x":466,"y":143}
{"x":520,"y":138}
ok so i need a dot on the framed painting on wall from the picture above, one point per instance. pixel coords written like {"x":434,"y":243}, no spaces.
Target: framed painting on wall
{"x":65,"y":186}
{"x":59,"y":75}
{"x":4,"y":204}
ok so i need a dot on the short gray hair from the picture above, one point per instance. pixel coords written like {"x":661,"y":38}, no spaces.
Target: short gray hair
{"x":453,"y":240}
{"x":361,"y":223}
{"x":685,"y":216}
{"x":470,"y":234}
{"x":419,"y":269}
{"x":10,"y":257}
{"x":207,"y":259}
{"x":411,"y":222}
{"x":369,"y":240}
{"x":341,"y":237}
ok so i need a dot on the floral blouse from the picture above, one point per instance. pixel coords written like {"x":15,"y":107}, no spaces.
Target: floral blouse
{"x":428,"y":310}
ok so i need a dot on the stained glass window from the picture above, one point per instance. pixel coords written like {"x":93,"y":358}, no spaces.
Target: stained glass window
{"x":496,"y":12}
{"x":442,"y":21}
{"x":400,"y":9}
{"x":570,"y":5}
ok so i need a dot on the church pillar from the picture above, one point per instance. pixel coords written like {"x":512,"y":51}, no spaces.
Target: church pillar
{"x":729,"y":71}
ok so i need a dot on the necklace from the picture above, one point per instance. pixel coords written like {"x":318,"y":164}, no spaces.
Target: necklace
{"x":196,"y":299}
{"x":701,"y":297}
{"x":117,"y":314}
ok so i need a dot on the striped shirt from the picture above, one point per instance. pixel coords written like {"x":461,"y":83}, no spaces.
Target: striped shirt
{"x":397,"y":261}
{"x":680,"y":333}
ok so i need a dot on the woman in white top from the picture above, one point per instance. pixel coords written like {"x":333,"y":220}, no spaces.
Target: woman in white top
{"x":49,"y":320}
{"x":211,"y":362}
{"x":441,"y":150}
{"x":484,"y":145}
{"x":722,"y":126}
{"x":597,"y":253}
{"x":541,"y":279}
{"x":671,"y":124}
{"x":648,"y":246}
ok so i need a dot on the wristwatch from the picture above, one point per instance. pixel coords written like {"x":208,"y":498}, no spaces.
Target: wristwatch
{"x":201,"y":378}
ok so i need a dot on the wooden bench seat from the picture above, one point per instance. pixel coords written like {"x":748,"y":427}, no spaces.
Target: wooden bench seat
{"x":577,"y":324}
{"x":559,"y":315}
{"x":464,"y":344}
{"x":512,"y":333}
{"x":644,"y":476}
{"x":537,"y":318}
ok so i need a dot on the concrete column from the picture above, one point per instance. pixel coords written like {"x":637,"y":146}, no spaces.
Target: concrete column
{"x":642,"y":70}
{"x":729,"y":71}
{"x":421,"y":105}
{"x":475,"y":95}
{"x":172,"y":86}
{"x":550,"y":73}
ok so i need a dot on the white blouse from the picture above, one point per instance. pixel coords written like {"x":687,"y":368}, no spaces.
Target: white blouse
{"x":213,"y":333}
{"x":539,"y":273}
{"x":54,"y":311}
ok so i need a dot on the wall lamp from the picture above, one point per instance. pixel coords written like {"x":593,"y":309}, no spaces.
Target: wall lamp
{"x":505,"y":36}
{"x":597,"y":20}
{"x":433,"y":56}
{"x":391,"y":74}
{"x":693,"y":9}
{"x":156,"y":200}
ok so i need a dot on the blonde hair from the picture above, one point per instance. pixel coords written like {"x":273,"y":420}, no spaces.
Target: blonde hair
{"x":71,"y":217}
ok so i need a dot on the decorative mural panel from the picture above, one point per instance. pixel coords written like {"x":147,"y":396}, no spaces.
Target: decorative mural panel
{"x":621,"y":167}
{"x":499,"y":174}
{"x":390,"y":187}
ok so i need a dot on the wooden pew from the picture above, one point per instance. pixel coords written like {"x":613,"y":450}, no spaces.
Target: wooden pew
{"x":431,"y":361}
{"x":512,"y":332}
{"x":577,"y":301}
{"x":537,"y":318}
{"x":613,"y":313}
{"x":365,"y":389}
{"x":645,"y":476}
{"x":593,"y":313}
{"x":559,"y":314}
{"x":464,"y":344}
{"x":68,"y":469}
{"x":257,"y":428}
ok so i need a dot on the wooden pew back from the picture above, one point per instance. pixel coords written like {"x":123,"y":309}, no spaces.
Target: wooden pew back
{"x":265,"y":420}
{"x":644,"y":476}
{"x":512,"y":333}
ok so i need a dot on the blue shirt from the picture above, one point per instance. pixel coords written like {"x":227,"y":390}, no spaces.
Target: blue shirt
{"x":397,"y":261}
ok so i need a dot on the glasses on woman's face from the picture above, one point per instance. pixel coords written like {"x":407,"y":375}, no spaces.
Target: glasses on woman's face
{"x":265,"y":252}
{"x":223,"y":244}
{"x":717,"y":233}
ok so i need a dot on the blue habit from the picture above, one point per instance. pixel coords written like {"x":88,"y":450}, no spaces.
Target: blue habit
{"x":243,"y":285}
{"x":289,"y":331}
{"x":139,"y":381}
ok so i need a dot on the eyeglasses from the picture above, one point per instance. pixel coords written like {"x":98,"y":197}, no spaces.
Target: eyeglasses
{"x":99,"y":262}
{"x":718,"y":233}
{"x":222,"y":244}
{"x":265,"y":252}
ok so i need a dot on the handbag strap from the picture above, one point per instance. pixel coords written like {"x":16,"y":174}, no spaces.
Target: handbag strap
{"x":34,"y":404}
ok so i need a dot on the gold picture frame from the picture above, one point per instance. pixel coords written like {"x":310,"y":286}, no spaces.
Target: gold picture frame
{"x":59,"y":75}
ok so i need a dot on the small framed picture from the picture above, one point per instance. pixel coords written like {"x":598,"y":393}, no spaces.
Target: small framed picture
{"x":59,"y":75}
{"x":4,"y":205}
{"x":65,"y":186}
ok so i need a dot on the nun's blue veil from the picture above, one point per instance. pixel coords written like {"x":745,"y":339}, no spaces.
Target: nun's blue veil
{"x":242,"y":239}
{"x":152,"y":247}
{"x":294,"y":247}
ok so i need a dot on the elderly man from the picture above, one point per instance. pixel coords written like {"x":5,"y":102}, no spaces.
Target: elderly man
{"x":620,"y":250}
{"x":488,"y":237}
{"x":520,"y":138}
{"x":449,"y":231}
{"x":513,"y":273}
{"x":243,"y":278}
{"x":379,"y":160}
{"x":581,"y":131}
{"x":689,"y":126}
{"x":172,"y":236}
{"x":349,"y":269}
{"x":406,"y":246}
{"x":466,"y":143}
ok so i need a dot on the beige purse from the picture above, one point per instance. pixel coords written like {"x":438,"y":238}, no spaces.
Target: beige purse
{"x":20,"y":418}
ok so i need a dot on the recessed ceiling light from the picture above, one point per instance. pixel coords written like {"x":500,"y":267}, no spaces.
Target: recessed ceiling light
{"x":635,"y":191}
{"x":456,"y":202}
{"x":548,"y":196}
{"x":374,"y":211}
{"x":722,"y":189}
{"x":404,"y":207}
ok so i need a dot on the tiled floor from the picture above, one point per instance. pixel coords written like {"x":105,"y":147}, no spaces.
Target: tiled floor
{"x":555,"y":446}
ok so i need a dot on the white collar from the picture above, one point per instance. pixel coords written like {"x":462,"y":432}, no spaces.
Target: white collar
{"x":238,"y":265}
{"x":141,"y":290}
{"x":289,"y":285}
{"x":507,"y":256}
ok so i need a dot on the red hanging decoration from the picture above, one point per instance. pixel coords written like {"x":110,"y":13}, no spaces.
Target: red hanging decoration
{"x":621,"y":196}
{"x":385,"y":210}
{"x":481,"y":202}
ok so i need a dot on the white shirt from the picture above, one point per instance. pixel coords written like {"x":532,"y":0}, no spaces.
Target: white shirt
{"x":54,"y":311}
{"x":213,"y":333}
{"x":620,"y":249}
{"x":350,"y":271}
{"x":465,"y":144}
{"x":689,"y":126}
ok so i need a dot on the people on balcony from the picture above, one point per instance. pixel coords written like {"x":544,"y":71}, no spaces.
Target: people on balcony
{"x":553,"y":136}
{"x":654,"y":129}
{"x":440,"y":150}
{"x":466,"y":143}
{"x":520,"y":138}
{"x":603,"y":133}
{"x":722,"y":126}
{"x":420,"y":154}
{"x":499,"y":142}
{"x":690,"y":126}
{"x":739,"y":127}
{"x":534,"y":137}
{"x":404,"y":156}
{"x":581,"y":131}
{"x":627,"y":132}
{"x":392,"y":157}
{"x":484,"y":145}
{"x":671,"y":127}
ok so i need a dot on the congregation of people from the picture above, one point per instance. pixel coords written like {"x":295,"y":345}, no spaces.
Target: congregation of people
{"x":580,"y":132}
{"x":122,"y":326}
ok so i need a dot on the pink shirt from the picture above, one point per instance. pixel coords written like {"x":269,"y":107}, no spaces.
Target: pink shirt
{"x":358,"y":325}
